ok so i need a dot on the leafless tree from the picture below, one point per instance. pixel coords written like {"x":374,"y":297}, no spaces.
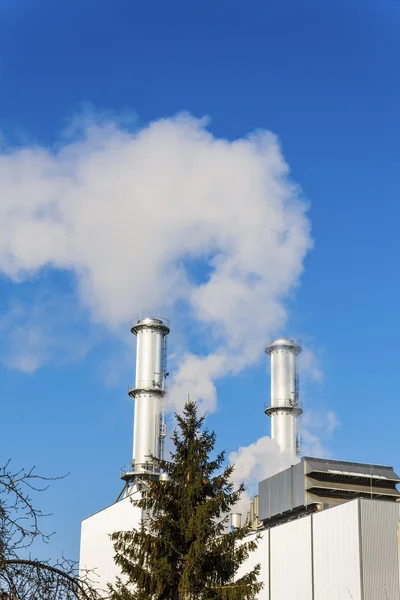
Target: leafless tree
{"x":21,"y":576}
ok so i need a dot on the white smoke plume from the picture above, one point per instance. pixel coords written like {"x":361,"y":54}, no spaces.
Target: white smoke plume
{"x":263,"y":458}
{"x":255,"y":462}
{"x":125,"y":212}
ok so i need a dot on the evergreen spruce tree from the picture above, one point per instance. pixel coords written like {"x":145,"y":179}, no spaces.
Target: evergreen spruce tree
{"x":182,"y":550}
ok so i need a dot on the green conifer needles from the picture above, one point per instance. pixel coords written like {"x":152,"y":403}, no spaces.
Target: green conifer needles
{"x":182,"y":550}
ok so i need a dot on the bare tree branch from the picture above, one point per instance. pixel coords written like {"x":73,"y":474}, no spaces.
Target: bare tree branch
{"x":20,"y":525}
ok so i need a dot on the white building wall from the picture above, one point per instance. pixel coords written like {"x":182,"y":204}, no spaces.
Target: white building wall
{"x":349,"y":552}
{"x":96,"y":551}
{"x":336,"y":550}
{"x":380,"y":553}
{"x":259,"y":556}
{"x":291,"y":561}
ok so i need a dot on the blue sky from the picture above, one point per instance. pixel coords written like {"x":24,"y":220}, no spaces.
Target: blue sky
{"x":323,"y":77}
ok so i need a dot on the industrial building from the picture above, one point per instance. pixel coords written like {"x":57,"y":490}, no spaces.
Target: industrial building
{"x":347,"y":552}
{"x":329,"y":530}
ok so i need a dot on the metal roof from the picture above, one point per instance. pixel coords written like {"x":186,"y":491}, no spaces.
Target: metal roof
{"x":335,"y":467}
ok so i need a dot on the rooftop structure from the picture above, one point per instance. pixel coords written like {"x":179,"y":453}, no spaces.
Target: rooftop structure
{"x":315,"y":484}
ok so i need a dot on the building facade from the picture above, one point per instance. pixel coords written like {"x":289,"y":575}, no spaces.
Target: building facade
{"x":347,"y":552}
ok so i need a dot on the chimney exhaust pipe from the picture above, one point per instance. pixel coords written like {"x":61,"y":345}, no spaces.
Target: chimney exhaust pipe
{"x":285,"y":407}
{"x":149,"y":423}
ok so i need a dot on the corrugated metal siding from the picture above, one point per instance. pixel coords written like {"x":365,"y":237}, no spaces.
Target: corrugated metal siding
{"x":291,"y":561}
{"x":379,"y":543}
{"x":282,"y":492}
{"x":355,"y":550}
{"x":298,"y":485}
{"x":337,"y":553}
{"x":263,"y":500}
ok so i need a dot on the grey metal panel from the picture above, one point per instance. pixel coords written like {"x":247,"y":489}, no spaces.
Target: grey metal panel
{"x":287,"y":490}
{"x":277,"y":490}
{"x":336,"y":544}
{"x":275,"y":494}
{"x":379,"y":544}
{"x":298,"y":485}
{"x":263,"y":499}
{"x":281,"y":492}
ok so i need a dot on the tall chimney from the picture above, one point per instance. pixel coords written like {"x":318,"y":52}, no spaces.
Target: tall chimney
{"x":285,"y":407}
{"x":149,"y":425}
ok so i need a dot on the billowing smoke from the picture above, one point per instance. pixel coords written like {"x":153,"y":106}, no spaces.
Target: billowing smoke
{"x":263,"y":458}
{"x":128,"y":213}
{"x":165,"y":219}
{"x":255,"y":462}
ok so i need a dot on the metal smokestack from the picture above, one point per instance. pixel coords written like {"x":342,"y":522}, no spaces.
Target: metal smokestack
{"x":149,"y":424}
{"x":285,"y":406}
{"x":236,"y":521}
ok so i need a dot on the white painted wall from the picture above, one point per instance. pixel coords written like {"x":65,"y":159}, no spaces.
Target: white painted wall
{"x":259,"y":556}
{"x":337,"y":567}
{"x":291,"y":560}
{"x":97,"y":552}
{"x":316,"y":557}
